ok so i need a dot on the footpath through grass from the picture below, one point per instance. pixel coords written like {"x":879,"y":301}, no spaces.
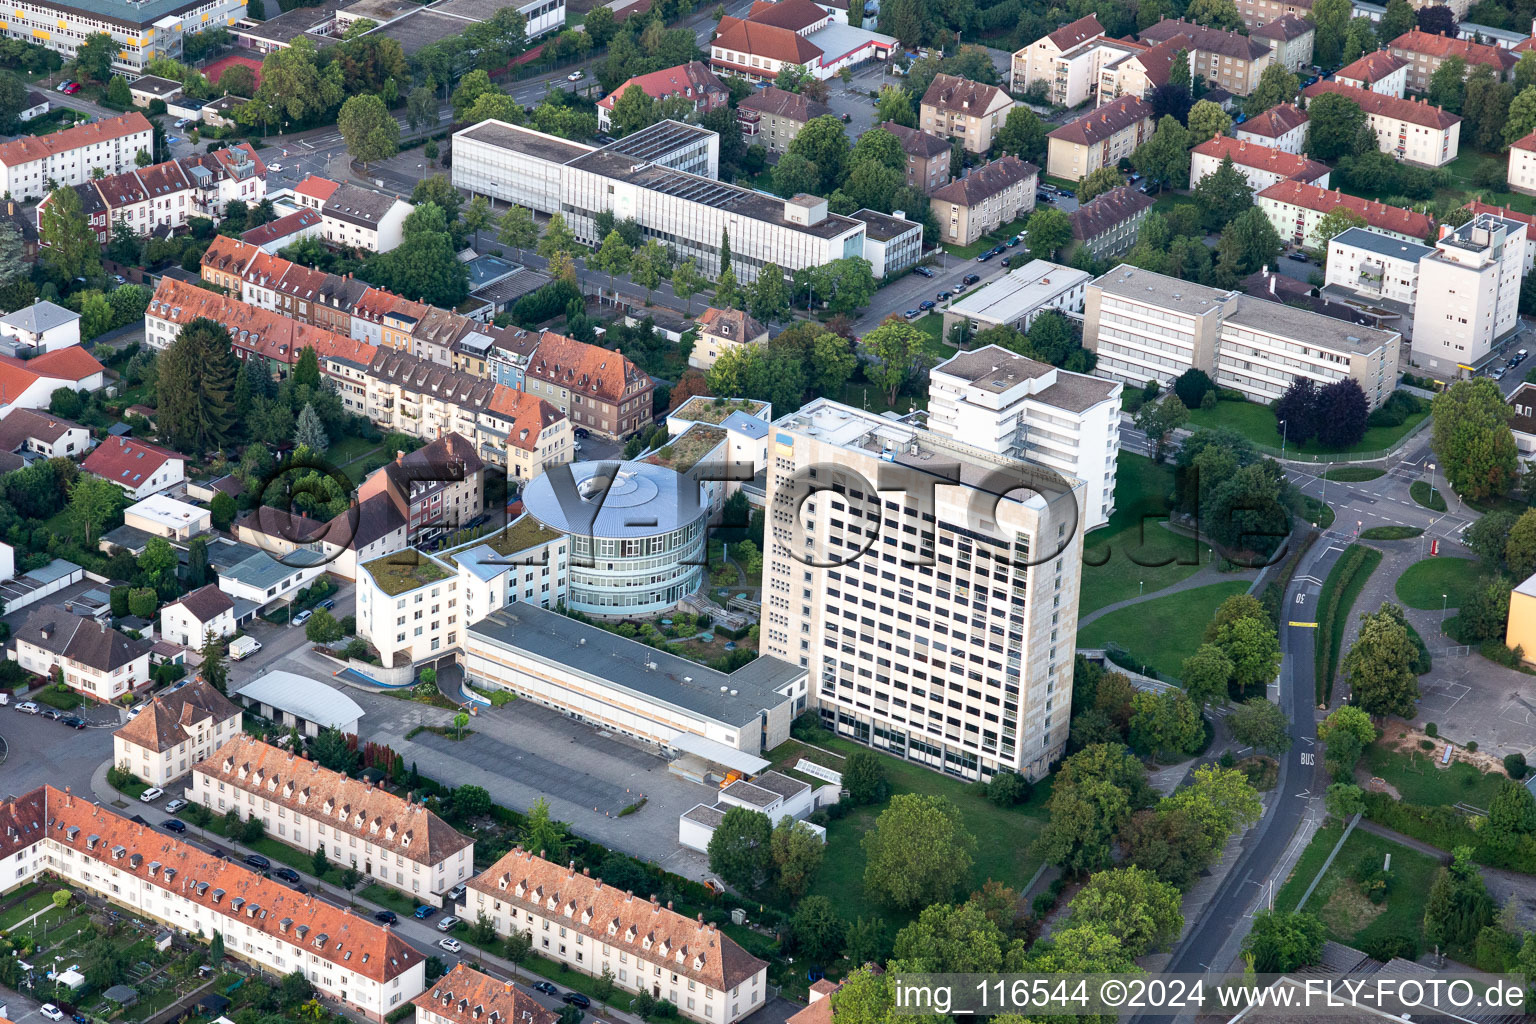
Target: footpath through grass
{"x":1342,"y":899}
{"x":1163,"y":631}
{"x":1345,"y":581}
{"x":1134,"y":547}
{"x":1438,"y":582}
{"x":1257,"y":423}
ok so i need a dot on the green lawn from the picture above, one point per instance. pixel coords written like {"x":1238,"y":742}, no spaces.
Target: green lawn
{"x":394,"y":899}
{"x":1354,"y":474}
{"x":1164,"y":631}
{"x":25,"y":909}
{"x":987,"y":241}
{"x":1308,"y":865}
{"x":1351,"y":917}
{"x":1003,"y":835}
{"x":1462,"y":169}
{"x":1421,"y":492}
{"x":1417,"y":776}
{"x":282,"y":853}
{"x":1390,"y":533}
{"x":1423,"y":583}
{"x":1134,"y":547}
{"x":1257,"y":423}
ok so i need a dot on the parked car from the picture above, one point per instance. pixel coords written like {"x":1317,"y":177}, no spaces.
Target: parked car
{"x":52,"y":713}
{"x":457,"y":892}
{"x":274,"y":167}
{"x":923,"y":271}
{"x":51,"y":1012}
{"x":1014,"y":241}
{"x":174,"y":825}
{"x":73,"y":721}
{"x":582,"y":432}
{"x":62,"y":86}
{"x":138,"y":819}
{"x":545,"y":987}
{"x":302,"y":617}
{"x":257,"y":861}
{"x":1007,"y":261}
{"x":423,"y":912}
{"x":133,"y":712}
{"x":576,"y":76}
{"x":1299,"y":257}
{"x":26,"y":707}
{"x":327,"y":604}
{"x":912,"y":314}
{"x":1499,"y":373}
{"x":970,"y":279}
{"x":985,"y":256}
{"x":447,"y":923}
{"x":181,"y":122}
{"x":1066,"y":193}
{"x":944,"y":295}
{"x":386,"y":917}
{"x":286,"y":874}
{"x":577,"y":999}
{"x":925,"y":304}
{"x":152,"y":794}
{"x":1044,"y":197}
{"x":174,"y":806}
{"x":71,"y":88}
{"x":451,"y":945}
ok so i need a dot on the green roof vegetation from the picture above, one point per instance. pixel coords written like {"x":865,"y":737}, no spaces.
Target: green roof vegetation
{"x":404,"y":570}
{"x":685,"y":450}
{"x":714,"y":410}
{"x":520,"y":535}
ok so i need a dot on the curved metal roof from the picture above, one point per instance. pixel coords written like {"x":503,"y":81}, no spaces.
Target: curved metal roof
{"x":303,"y":697}
{"x":613,"y":499}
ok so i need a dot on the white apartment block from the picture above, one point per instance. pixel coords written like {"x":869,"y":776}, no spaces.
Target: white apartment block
{"x":354,"y":217}
{"x":30,"y":165}
{"x":349,"y":958}
{"x":140,"y":31}
{"x":1469,"y":293}
{"x":408,"y":607}
{"x":1297,"y":209}
{"x":664,"y":177}
{"x":90,"y":657}
{"x":1522,"y":165}
{"x":1043,"y":59}
{"x":174,"y":731}
{"x":1025,"y":409}
{"x":942,"y":631}
{"x":1413,"y":131}
{"x":1282,"y":127}
{"x":1380,"y":71}
{"x":586,"y":926}
{"x":1147,"y":326}
{"x":389,"y":839}
{"x":1377,"y":268}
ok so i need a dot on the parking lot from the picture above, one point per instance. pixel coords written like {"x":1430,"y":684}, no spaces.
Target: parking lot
{"x":41,"y":752}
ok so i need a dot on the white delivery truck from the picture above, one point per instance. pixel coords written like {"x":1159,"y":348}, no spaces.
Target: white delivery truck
{"x":244,"y":647}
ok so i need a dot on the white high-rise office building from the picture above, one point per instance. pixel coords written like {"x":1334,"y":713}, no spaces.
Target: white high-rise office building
{"x":1026,"y":409}
{"x":1469,"y":293}
{"x":929,"y":586}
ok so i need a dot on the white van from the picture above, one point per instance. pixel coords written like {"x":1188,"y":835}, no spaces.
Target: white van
{"x":243,"y":648}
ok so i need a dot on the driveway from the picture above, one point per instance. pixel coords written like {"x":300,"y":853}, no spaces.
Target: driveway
{"x":39,"y":751}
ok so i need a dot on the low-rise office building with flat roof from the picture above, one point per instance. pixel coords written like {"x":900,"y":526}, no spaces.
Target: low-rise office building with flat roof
{"x":1016,"y":298}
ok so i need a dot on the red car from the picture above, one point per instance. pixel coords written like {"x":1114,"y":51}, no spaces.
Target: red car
{"x":71,"y":88}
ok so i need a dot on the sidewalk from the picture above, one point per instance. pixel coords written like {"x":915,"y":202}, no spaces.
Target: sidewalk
{"x":421,"y":934}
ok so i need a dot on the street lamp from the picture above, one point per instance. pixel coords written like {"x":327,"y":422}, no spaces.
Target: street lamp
{"x":1141,"y":588}
{"x":1282,"y":439}
{"x":1444,"y":601}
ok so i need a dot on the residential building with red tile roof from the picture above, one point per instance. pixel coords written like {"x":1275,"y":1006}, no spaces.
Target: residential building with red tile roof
{"x":538,"y":434}
{"x":643,"y":943}
{"x":284,"y":231}
{"x":466,"y":996}
{"x":1257,"y":13}
{"x":1416,"y":132}
{"x":29,"y":164}
{"x":363,"y":965}
{"x":1109,"y":222}
{"x":1134,"y":68}
{"x":927,"y":156}
{"x":1282,"y":127}
{"x":990,"y":196}
{"x":793,"y":32}
{"x":1379,"y":71}
{"x":772,"y":117}
{"x":30,"y":383}
{"x":441,"y":485}
{"x":179,"y":727}
{"x":1426,"y":51}
{"x":692,"y":81}
{"x":722,"y":331}
{"x":140,"y":469}
{"x":1038,"y":61}
{"x":1099,"y":138}
{"x":1289,"y":38}
{"x":1261,"y":165}
{"x":957,"y":108}
{"x":597,"y":388}
{"x":1295,"y":208}
{"x":390,"y":839}
{"x":1229,"y":60}
{"x":1522,"y":165}
{"x":314,"y":191}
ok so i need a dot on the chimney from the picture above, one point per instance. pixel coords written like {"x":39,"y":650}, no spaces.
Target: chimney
{"x":1271,"y":282}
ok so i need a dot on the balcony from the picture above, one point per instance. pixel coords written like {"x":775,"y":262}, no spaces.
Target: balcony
{"x":749,"y":120}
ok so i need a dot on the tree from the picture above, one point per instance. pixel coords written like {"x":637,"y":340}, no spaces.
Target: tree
{"x":796,"y":851}
{"x":1220,"y":799}
{"x":319,"y":863}
{"x":824,"y":143}
{"x":471,"y":802}
{"x":142,"y":602}
{"x":1448,"y":84}
{"x":1049,"y":231}
{"x":476,"y":216}
{"x":1084,"y":819}
{"x":1472,"y":440}
{"x":222,"y":510}
{"x":817,"y":931}
{"x":1277,"y":85}
{"x":1248,"y":242}
{"x":649,"y":265}
{"x":1398,"y":19}
{"x":633,"y":110}
{"x":158,"y":562}
{"x":1221,"y":196}
{"x":195,"y":387}
{"x":1439,"y":23}
{"x":1345,"y":733}
{"x":332,"y":749}
{"x":1332,"y":224}
{"x":613,"y":257}
{"x":322,"y":628}
{"x":864,"y":777}
{"x":1458,"y":905}
{"x":471,"y":87}
{"x":1342,"y":411}
{"x":1334,"y":125}
{"x":1281,"y":941}
{"x":687,"y":282}
{"x":371,"y":133}
{"x":892,"y":345}
{"x":1205,"y":675}
{"x":309,"y":432}
{"x":1380,"y":665}
{"x":740,"y":851}
{"x":294,"y":86}
{"x":768,"y":299}
{"x":93,"y":502}
{"x":727,"y":292}
{"x":1100,"y":181}
{"x":1168,"y":842}
{"x":1261,"y":724}
{"x":424,"y":267}
{"x":834,"y":361}
{"x":1254,"y":649}
{"x":894,"y":105}
{"x":1214,"y":14}
{"x":93,"y":58}
{"x":1165,"y":722}
{"x":69,"y":246}
{"x":1522,"y":115}
{"x":1160,"y":419}
{"x":542,"y":834}
{"x":1132,"y":905}
{"x":952,"y":938}
{"x":918,"y":852}
{"x":214,"y":669}
{"x":1332,"y":22}
{"x":1208,"y":120}
{"x":557,"y":238}
{"x":1023,"y":134}
{"x":1164,"y":158}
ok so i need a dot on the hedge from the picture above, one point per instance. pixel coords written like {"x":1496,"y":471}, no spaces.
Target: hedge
{"x":1344,"y":583}
{"x":1446,"y":828}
